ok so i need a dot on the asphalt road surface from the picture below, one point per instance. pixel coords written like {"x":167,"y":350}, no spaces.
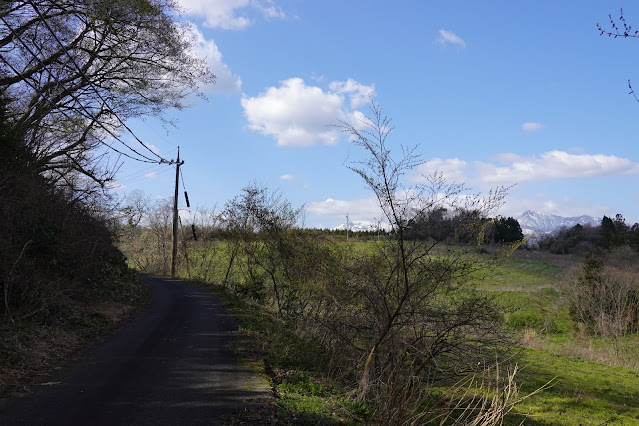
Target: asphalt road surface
{"x":169,"y":366}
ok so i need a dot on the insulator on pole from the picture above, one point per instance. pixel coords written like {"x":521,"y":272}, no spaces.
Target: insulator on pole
{"x":194,"y":233}
{"x":187,"y":199}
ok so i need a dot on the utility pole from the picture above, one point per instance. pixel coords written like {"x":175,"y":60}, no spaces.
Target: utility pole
{"x":346,"y":226}
{"x":175,"y":212}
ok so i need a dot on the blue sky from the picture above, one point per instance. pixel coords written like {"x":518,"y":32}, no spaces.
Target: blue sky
{"x":494,"y":93}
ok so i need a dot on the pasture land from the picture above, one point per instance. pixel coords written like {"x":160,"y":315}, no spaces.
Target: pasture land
{"x":592,"y":380}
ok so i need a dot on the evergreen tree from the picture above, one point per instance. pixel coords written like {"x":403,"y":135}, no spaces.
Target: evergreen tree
{"x":507,"y":230}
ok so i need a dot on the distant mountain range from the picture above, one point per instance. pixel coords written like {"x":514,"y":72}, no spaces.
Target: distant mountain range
{"x":532,"y":222}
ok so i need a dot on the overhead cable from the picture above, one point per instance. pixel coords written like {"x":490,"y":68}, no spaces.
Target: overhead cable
{"x":145,"y":159}
{"x":148,"y":160}
{"x":97,"y":92}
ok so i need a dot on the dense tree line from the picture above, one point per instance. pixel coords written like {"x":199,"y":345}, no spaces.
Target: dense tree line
{"x":580,"y":240}
{"x":441,"y":224}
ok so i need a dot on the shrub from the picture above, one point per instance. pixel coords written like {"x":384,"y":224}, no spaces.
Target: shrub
{"x":604,"y":293}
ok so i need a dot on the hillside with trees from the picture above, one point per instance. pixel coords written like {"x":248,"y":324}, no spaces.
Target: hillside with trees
{"x":71,"y":73}
{"x":581,"y":240}
{"x":441,"y":318}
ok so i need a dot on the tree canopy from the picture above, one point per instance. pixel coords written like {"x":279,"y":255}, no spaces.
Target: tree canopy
{"x":74,"y":71}
{"x":507,"y":230}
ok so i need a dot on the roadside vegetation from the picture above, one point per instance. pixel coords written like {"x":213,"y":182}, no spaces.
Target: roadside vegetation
{"x":592,"y":378}
{"x":441,"y":318}
{"x":71,"y":72}
{"x":63,"y":280}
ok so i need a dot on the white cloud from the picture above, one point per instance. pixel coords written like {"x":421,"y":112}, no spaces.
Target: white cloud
{"x":359,"y":94}
{"x":230,"y":14}
{"x":225,"y":81}
{"x":150,"y":175}
{"x":151,"y":147}
{"x":286,"y":177}
{"x":452,"y":169}
{"x":554,"y":165}
{"x":447,"y":37}
{"x":531,"y":126}
{"x":358,"y":210}
{"x":268,"y":9}
{"x":318,"y":78}
{"x":299,"y":115}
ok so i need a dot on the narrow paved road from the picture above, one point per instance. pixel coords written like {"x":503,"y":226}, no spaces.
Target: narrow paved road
{"x":169,"y":366}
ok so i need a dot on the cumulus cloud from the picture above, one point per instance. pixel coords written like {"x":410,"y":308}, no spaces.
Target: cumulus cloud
{"x":452,"y":169}
{"x":358,"y":210}
{"x":531,"y":126}
{"x":230,"y":14}
{"x":286,"y":177}
{"x":553,"y":165}
{"x":225,"y":81}
{"x":448,"y":37}
{"x":508,"y":169}
{"x":358,"y":93}
{"x":297,"y":114}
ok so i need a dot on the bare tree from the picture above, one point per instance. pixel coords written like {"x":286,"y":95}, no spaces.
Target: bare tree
{"x":620,"y":28}
{"x":259,"y":222}
{"x":403,"y":314}
{"x":76,"y":70}
{"x":604,"y":293}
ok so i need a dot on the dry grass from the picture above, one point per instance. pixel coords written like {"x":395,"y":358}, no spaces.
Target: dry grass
{"x":29,"y":352}
{"x":35,"y":353}
{"x":484,"y":399}
{"x":112,"y":312}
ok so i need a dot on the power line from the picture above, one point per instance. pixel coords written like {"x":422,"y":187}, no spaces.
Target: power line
{"x":88,"y":113}
{"x":156,"y":165}
{"x":75,"y":122}
{"x":186,"y":194}
{"x":182,"y":176}
{"x":144,"y":176}
{"x":134,"y":174}
{"x":159,"y":134}
{"x":55,"y":36}
{"x":81,"y":106}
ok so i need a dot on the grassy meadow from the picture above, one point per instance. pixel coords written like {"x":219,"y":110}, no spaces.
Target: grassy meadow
{"x":587,"y":380}
{"x":594,"y":380}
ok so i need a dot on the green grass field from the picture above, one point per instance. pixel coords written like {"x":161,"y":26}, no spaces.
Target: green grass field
{"x":583,"y":391}
{"x":593,"y":380}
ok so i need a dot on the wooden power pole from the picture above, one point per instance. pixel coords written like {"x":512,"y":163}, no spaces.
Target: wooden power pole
{"x":347,"y":226}
{"x":175,"y":212}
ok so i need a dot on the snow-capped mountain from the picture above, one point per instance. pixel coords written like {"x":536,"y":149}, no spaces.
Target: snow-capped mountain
{"x":537,"y":222}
